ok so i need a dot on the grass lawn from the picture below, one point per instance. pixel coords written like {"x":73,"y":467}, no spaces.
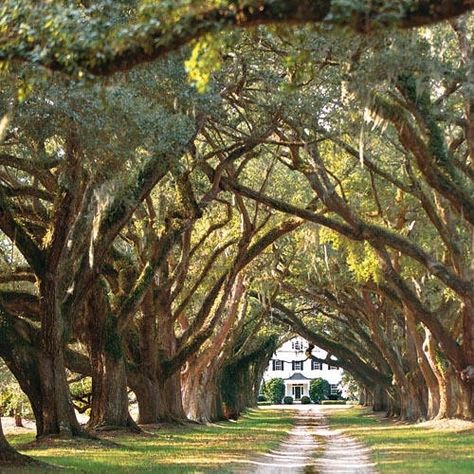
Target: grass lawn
{"x":170,"y":449}
{"x":406,"y":448}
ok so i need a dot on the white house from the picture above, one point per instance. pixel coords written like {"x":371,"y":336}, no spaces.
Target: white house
{"x":291,"y":363}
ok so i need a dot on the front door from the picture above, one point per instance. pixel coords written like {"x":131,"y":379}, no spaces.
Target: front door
{"x":297,"y":392}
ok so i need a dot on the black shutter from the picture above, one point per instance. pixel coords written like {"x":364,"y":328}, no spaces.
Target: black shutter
{"x":273,"y":364}
{"x":282,"y":365}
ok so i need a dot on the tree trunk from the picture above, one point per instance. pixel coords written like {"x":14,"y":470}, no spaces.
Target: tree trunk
{"x":159,"y":400}
{"x":362,"y":396}
{"x":380,"y":398}
{"x":157,"y":390}
{"x":411,"y":407}
{"x":109,"y":395}
{"x":200,"y":393}
{"x":18,"y":420}
{"x":58,"y":412}
{"x":170,"y":403}
{"x":429,"y":377}
{"x":462,"y":397}
{"x":430,"y":348}
{"x":109,"y":408}
{"x":147,"y":399}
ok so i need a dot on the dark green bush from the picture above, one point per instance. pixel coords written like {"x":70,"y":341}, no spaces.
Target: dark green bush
{"x":262,"y":398}
{"x":305,"y":400}
{"x":333,"y":402}
{"x":319,"y":389}
{"x":288,"y":400}
{"x":274,"y":390}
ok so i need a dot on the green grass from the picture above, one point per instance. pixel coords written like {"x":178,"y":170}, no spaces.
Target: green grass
{"x":408,"y":448}
{"x":170,"y":449}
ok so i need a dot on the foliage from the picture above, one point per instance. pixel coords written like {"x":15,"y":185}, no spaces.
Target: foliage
{"x":81,"y":393}
{"x":288,"y":400}
{"x":350,"y":385}
{"x":319,"y":389}
{"x":13,"y":400}
{"x":274,"y":390}
{"x":305,"y":400}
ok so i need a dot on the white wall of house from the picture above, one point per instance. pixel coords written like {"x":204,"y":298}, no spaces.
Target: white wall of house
{"x":292,"y":359}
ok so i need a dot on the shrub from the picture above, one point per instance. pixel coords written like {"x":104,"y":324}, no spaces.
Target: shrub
{"x":274,"y":390}
{"x":13,"y":402}
{"x":319,"y":389}
{"x":305,"y":400}
{"x":262,"y":398}
{"x":288,"y":400}
{"x":333,"y":402}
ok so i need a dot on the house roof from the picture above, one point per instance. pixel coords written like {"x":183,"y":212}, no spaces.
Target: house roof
{"x":298,"y":376}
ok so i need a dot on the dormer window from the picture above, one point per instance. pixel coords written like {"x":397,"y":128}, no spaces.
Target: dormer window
{"x":297,"y":345}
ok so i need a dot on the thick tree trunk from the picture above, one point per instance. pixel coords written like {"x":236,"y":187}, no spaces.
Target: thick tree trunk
{"x":109,"y":408}
{"x":431,"y":383}
{"x":380,"y":398}
{"x":411,"y":407}
{"x":201,"y":399}
{"x":159,"y":400}
{"x":57,"y":410}
{"x":147,"y":399}
{"x":461,"y":399}
{"x":430,"y":348}
{"x":240,"y":380}
{"x":109,"y":395}
{"x":170,"y":404}
{"x":157,"y":390}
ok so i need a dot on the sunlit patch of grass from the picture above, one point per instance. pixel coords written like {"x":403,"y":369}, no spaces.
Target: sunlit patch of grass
{"x":170,"y":449}
{"x":408,"y":448}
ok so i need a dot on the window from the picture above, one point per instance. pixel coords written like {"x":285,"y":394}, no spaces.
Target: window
{"x":315,"y":365}
{"x":297,"y":365}
{"x":297,"y":345}
{"x":334,"y":389}
{"x":332,"y":367}
{"x":277,"y":364}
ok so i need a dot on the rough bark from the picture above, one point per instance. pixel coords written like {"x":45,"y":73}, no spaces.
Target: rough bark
{"x":380,"y":398}
{"x":201,"y":397}
{"x":57,"y":411}
{"x":109,"y":380}
{"x":240,"y":379}
{"x":158,"y":388}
